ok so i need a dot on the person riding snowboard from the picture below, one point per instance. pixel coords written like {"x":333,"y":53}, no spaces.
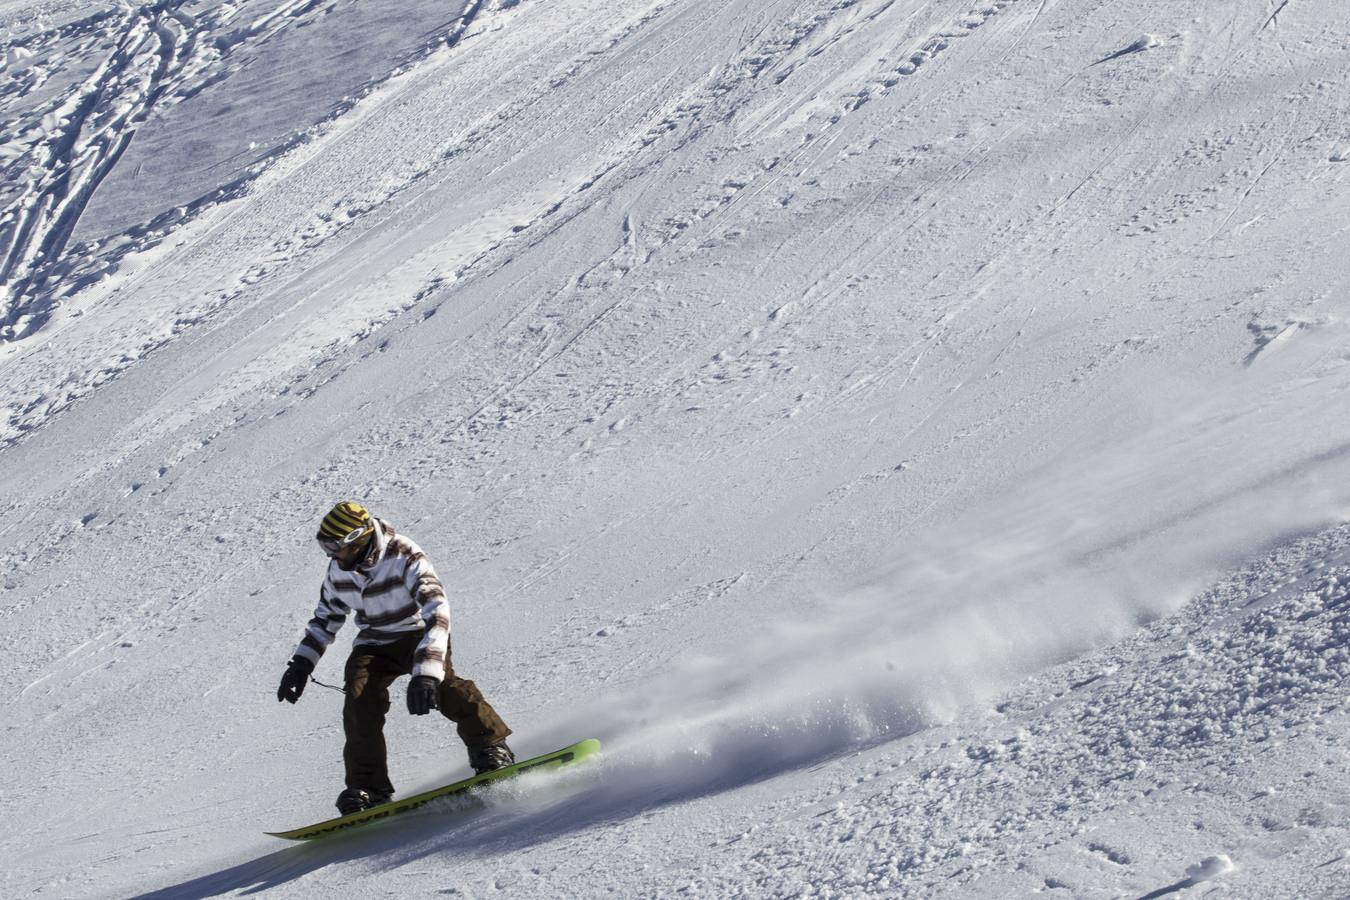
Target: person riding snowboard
{"x":404,"y":622}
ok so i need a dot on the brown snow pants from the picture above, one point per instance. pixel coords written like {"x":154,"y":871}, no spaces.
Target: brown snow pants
{"x":370,"y":671}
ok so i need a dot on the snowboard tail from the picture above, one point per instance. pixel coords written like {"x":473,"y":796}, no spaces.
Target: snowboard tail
{"x":563,"y":757}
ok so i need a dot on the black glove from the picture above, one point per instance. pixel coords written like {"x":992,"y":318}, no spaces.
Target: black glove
{"x":422,"y":694}
{"x":293,"y":682}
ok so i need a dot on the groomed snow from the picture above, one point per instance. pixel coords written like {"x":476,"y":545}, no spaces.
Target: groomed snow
{"x":910,"y":435}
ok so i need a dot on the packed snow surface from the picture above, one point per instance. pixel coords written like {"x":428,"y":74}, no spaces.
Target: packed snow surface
{"x":912,"y":435}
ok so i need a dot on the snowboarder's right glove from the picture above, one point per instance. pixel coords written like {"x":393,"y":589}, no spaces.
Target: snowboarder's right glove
{"x":421,"y":695}
{"x":293,"y":682}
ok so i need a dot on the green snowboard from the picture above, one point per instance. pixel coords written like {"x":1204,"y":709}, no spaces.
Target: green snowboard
{"x":563,"y":757}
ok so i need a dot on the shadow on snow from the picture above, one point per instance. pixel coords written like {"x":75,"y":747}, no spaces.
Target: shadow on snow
{"x":537,"y":810}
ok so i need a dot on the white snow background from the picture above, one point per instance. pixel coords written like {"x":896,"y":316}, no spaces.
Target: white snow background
{"x":912,"y":436}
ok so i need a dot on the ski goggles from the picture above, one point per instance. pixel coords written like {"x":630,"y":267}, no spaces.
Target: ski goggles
{"x":337,"y":546}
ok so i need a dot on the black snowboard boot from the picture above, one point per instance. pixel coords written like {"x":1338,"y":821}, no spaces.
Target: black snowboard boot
{"x":493,"y":756}
{"x":355,"y":799}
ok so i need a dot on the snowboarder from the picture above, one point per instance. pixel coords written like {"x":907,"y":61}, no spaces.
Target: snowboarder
{"x":404,"y":622}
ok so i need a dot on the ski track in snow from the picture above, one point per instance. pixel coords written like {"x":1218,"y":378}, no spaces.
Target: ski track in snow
{"x":41,"y":219}
{"x":794,"y":384}
{"x":144,"y":60}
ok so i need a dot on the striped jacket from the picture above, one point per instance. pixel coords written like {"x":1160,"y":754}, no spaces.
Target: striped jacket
{"x":393,"y":591}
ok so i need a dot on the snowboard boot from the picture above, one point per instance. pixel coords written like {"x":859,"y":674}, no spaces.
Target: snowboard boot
{"x":354,"y":800}
{"x":490,"y":757}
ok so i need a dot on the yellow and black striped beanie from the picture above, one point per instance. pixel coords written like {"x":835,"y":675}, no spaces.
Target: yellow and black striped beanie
{"x":345,"y":518}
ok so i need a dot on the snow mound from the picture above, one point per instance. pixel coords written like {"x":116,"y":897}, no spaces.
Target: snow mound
{"x":1209,"y":868}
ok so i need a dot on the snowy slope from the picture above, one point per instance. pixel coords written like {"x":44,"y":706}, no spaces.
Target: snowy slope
{"x":909,"y":434}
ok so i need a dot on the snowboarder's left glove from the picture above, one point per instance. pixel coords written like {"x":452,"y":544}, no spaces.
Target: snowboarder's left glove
{"x":422,"y":695}
{"x":293,"y":682}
